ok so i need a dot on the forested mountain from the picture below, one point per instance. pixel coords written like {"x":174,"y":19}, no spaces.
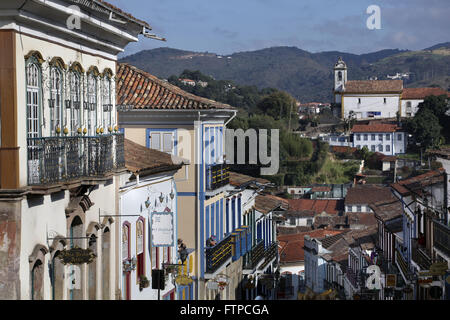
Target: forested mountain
{"x":307,"y":76}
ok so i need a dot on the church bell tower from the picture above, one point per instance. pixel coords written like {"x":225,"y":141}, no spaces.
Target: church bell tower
{"x":340,"y":75}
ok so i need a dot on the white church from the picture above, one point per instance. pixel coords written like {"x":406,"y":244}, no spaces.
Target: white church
{"x":368,"y":99}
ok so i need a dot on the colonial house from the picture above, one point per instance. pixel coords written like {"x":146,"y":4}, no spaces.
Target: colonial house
{"x":158,"y":115}
{"x":359,"y":198}
{"x":315,"y":245}
{"x":148,"y":219}
{"x":365,"y":99}
{"x":423,"y":256}
{"x":389,"y":215}
{"x":412,"y":97}
{"x":385,"y":138}
{"x":61,"y":153}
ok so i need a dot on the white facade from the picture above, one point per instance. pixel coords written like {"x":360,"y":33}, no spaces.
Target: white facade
{"x":387,"y":143}
{"x":134,"y":199}
{"x":370,"y":106}
{"x":315,"y":265}
{"x":410,"y":107}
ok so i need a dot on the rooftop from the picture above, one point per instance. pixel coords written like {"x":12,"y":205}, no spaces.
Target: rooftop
{"x":318,"y":206}
{"x":142,"y":160}
{"x":421,"y":93}
{"x":387,"y":209}
{"x":367,"y":194}
{"x":239,"y":179}
{"x":375,"y":127}
{"x":418,"y":183}
{"x":138,"y":89}
{"x":374,"y":86}
{"x":267,"y":203}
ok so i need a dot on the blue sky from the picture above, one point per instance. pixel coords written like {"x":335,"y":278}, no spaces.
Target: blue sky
{"x":230,"y":26}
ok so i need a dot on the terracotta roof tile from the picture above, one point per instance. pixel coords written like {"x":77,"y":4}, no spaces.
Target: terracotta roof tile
{"x":421,"y":93}
{"x":375,"y":127}
{"x":367,"y":194}
{"x":417,"y":183}
{"x":292,"y":244}
{"x":318,"y":206}
{"x":238,"y":179}
{"x":140,"y":90}
{"x":267,"y":203}
{"x":388,"y":209}
{"x":142,"y":160}
{"x":374,"y":86}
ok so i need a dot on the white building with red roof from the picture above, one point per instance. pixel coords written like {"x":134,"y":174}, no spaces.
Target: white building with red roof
{"x":386,"y":138}
{"x":412,"y":97}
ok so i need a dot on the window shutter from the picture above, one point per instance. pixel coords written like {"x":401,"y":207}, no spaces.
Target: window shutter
{"x":167,"y":142}
{"x":155,"y":141}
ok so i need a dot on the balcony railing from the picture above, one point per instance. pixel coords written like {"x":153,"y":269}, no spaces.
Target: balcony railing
{"x":216,"y":256}
{"x":255,"y":255}
{"x":420,"y":255}
{"x":217,"y":176}
{"x":441,"y":237}
{"x":352,"y":277}
{"x":53,"y":160}
{"x":270,"y":253}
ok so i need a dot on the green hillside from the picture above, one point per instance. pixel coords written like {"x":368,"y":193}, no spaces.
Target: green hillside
{"x":307,"y":76}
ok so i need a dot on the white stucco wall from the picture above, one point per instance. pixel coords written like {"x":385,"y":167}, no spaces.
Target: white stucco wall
{"x":371,"y":103}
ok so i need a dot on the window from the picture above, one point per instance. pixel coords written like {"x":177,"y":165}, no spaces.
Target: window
{"x":358,"y":137}
{"x":380,"y":137}
{"x":55,"y":102}
{"x":373,"y":137}
{"x":384,"y":100}
{"x":399,"y":137}
{"x":75,"y":101}
{"x":33,"y":99}
{"x":388,"y":148}
{"x":358,"y":146}
{"x":309,"y":221}
{"x":140,"y":250}
{"x":359,"y":100}
{"x":162,"y":140}
{"x":92,"y":104}
{"x":107,"y":103}
{"x":408,"y":105}
{"x":340,"y":76}
{"x":372,"y":148}
{"x":380,"y":148}
{"x":388,"y":137}
{"x":358,"y":208}
{"x":366,"y":137}
{"x":125,"y":241}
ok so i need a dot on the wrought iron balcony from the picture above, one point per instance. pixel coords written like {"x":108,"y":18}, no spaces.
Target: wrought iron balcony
{"x":352,"y":277}
{"x":219,"y":254}
{"x":420,"y":255}
{"x":53,"y":160}
{"x":256,"y":254}
{"x":441,"y":237}
{"x":270,"y":253}
{"x":217,"y":176}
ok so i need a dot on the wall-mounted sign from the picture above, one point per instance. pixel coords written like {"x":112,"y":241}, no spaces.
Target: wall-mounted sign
{"x":162,"y":229}
{"x":77,"y":256}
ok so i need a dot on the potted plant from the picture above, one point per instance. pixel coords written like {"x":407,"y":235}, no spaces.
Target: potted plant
{"x":143,"y":282}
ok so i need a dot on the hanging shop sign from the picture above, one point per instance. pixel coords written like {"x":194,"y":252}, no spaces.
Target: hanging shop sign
{"x":183,"y":280}
{"x":436,"y":269}
{"x":162,"y":229}
{"x":77,"y":256}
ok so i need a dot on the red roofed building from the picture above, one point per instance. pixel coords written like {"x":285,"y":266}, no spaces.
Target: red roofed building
{"x":386,"y":138}
{"x":411,"y":97}
{"x":333,"y":207}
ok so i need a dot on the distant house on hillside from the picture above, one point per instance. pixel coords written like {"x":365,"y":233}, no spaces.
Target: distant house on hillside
{"x":187,"y":82}
{"x":385,"y":138}
{"x":411,"y":97}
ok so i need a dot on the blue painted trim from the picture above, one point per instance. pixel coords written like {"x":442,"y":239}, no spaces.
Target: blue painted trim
{"x":213,"y":226}
{"x":221,"y":219}
{"x":218,"y":233}
{"x":207,"y":224}
{"x":175,"y":142}
{"x":233,"y":213}
{"x":187,"y":194}
{"x":201,"y":198}
{"x":239,"y":212}
{"x":122,"y":130}
{"x":227,"y":216}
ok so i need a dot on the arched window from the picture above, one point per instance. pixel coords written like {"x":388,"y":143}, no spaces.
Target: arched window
{"x":140,"y":247}
{"x":107,"y":102}
{"x":92,"y":269}
{"x":34,"y":87}
{"x":55,"y":102}
{"x":92,"y":103}
{"x":340,"y":76}
{"x":37,"y":281}
{"x":76,"y":240}
{"x":106,"y":263}
{"x":75,"y":101}
{"x":126,"y":255}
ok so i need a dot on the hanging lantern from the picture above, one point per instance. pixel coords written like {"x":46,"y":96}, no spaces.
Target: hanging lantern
{"x":161,"y":198}
{"x":172,"y":195}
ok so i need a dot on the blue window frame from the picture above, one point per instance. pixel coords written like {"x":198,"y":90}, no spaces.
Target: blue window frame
{"x":221,"y":219}
{"x":239,"y":212}
{"x":206,"y":224}
{"x":218,"y":233}
{"x":164,"y":140}
{"x":227,"y":216}
{"x":213,"y":232}
{"x":233,"y":214}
